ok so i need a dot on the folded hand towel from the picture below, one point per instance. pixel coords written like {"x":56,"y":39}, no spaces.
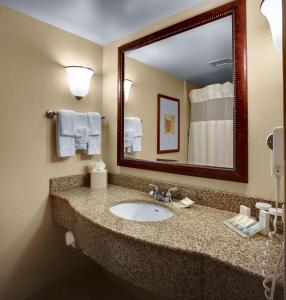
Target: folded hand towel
{"x":136,"y":124}
{"x":81,"y":121}
{"x":81,"y":131}
{"x":137,"y":144}
{"x":132,"y":134}
{"x":94,"y":140}
{"x":67,"y":122}
{"x":65,"y":133}
{"x":129,"y":136}
{"x":78,"y":131}
{"x":94,"y":145}
{"x":81,"y":138}
{"x":94,"y":120}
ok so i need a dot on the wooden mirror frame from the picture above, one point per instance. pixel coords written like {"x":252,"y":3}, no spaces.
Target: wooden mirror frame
{"x":239,"y":172}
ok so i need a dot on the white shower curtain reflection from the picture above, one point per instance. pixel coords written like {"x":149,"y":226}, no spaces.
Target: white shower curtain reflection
{"x":211,"y":127}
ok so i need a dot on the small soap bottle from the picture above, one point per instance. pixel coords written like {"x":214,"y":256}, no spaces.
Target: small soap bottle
{"x":264,"y":217}
{"x":264,"y":220}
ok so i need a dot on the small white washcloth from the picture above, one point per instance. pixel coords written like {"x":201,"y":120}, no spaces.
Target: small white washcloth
{"x":137,"y":144}
{"x":65,"y":133}
{"x":129,"y":139}
{"x":133,"y":134}
{"x":94,"y":139}
{"x":82,"y":132}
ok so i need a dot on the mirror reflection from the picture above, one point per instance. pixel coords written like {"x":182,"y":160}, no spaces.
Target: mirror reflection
{"x":179,"y":98}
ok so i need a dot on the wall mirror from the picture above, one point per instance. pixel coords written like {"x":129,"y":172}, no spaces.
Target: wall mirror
{"x":182,"y":104}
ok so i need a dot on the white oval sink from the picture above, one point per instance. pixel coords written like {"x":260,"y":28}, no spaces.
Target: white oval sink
{"x":141,"y":211}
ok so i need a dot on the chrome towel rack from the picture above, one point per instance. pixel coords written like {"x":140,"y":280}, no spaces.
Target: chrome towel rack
{"x":50,"y":114}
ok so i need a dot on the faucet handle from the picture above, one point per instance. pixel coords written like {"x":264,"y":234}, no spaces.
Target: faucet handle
{"x":172,"y":189}
{"x":154,"y":191}
{"x":154,"y":187}
{"x":169,"y":192}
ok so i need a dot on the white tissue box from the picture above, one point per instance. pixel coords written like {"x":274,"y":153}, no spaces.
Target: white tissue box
{"x":98,"y":180}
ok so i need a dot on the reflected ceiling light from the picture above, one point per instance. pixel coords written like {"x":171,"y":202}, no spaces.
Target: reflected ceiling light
{"x":127,"y":85}
{"x":272,"y":10}
{"x":79,"y":80}
{"x":221,"y":62}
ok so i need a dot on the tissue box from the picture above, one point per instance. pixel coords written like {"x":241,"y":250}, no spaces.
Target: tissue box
{"x":98,"y":180}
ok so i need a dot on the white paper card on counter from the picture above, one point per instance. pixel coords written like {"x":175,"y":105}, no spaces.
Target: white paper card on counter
{"x":186,"y":202}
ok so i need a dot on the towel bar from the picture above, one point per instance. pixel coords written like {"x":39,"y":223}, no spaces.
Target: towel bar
{"x":50,"y":114}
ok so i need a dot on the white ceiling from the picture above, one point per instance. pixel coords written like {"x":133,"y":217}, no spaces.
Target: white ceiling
{"x":187,"y":55}
{"x":101,"y":21}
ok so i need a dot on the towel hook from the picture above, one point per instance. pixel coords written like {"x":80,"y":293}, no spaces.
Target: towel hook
{"x":50,"y":114}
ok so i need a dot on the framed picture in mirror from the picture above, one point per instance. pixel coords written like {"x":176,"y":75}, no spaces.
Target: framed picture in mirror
{"x":168,"y":124}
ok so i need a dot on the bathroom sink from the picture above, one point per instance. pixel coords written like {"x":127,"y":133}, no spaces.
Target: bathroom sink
{"x":141,"y":211}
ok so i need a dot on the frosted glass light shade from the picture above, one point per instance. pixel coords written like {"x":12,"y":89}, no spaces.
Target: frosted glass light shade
{"x":272,"y":10}
{"x":79,"y":80}
{"x":127,"y":85}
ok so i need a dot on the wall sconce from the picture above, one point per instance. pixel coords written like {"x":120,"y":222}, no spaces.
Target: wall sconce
{"x":272,"y":10}
{"x":79,"y":80}
{"x":127,"y":85}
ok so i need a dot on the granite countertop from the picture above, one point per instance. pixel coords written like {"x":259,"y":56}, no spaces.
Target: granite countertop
{"x":197,"y":229}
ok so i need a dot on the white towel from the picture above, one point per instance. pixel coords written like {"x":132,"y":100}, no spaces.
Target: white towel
{"x":78,"y":131}
{"x":65,"y":133}
{"x":132,"y":134}
{"x":129,"y":136}
{"x":67,"y":122}
{"x":82,"y":131}
{"x":94,"y":140}
{"x":137,"y":144}
{"x":94,"y":120}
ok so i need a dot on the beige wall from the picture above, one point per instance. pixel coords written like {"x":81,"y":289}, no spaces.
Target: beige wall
{"x":264,"y":102}
{"x":142,"y":103}
{"x":32,"y":79}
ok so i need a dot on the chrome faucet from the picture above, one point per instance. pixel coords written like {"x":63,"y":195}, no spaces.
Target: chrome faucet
{"x":161,"y":195}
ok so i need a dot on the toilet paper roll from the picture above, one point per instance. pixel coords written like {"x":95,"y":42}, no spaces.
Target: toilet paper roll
{"x":98,"y":180}
{"x":70,"y":240}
